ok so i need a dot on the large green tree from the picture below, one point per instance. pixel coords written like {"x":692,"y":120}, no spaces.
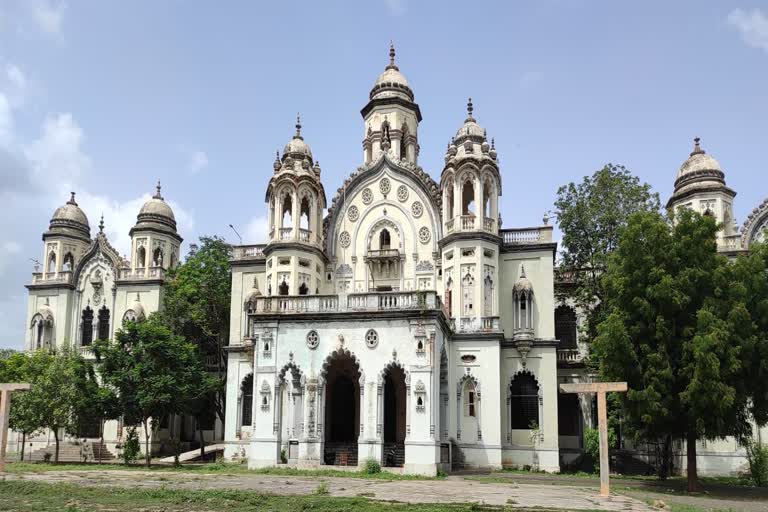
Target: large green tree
{"x":590,"y":215}
{"x":679,"y":331}
{"x":196,"y":304}
{"x":23,"y":418}
{"x":152,"y":372}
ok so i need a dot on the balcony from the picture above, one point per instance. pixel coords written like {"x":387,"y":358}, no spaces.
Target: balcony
{"x":472,"y":324}
{"x":377,"y":301}
{"x":247,"y":252}
{"x":305,"y":235}
{"x":63,"y":277}
{"x":569,"y":356}
{"x":470,"y":223}
{"x":141,"y":273}
{"x":285,"y":234}
{"x":527,"y":236}
{"x":384,"y":254}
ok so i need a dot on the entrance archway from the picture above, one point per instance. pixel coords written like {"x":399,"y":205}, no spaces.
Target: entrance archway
{"x":394,"y":416}
{"x":342,"y":409}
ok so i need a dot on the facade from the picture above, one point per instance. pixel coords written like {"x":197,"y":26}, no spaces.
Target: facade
{"x":399,"y":321}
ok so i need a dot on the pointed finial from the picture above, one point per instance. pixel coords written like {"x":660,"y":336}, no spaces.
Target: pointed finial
{"x":298,"y":127}
{"x":697,"y":147}
{"x":522,"y":272}
{"x":493,"y":143}
{"x":157,"y":191}
{"x":392,"y":64}
{"x":101,"y":224}
{"x":72,"y":199}
{"x":277,"y":155}
{"x":470,"y":108}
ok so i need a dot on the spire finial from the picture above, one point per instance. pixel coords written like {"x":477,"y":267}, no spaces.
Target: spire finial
{"x":72,"y":199}
{"x":522,"y":272}
{"x":392,"y":64}
{"x":470,"y":109}
{"x":101,"y":223}
{"x":298,"y":126}
{"x":157,"y":191}
{"x":697,"y":147}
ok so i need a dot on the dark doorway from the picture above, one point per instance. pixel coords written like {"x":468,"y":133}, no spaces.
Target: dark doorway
{"x":394,"y":417}
{"x":342,"y":411}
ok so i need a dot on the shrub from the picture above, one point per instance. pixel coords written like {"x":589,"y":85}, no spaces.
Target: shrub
{"x":322,"y":489}
{"x":592,"y":444}
{"x":371,"y":466}
{"x":131,"y":446}
{"x":283,"y":456}
{"x":757,"y":456}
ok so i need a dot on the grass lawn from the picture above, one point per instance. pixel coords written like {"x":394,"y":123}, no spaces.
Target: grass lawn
{"x":19,"y":496}
{"x":219,"y":468}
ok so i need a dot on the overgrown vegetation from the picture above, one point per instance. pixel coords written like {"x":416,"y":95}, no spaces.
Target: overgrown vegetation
{"x":592,"y":444}
{"x":371,"y":466}
{"x":757,"y":456}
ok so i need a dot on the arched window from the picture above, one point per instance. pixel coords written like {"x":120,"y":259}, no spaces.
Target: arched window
{"x":449,"y":296}
{"x":141,"y":257}
{"x":247,"y":402}
{"x":385,"y":240}
{"x":470,"y":399}
{"x":449,"y":200}
{"x":42,"y":332}
{"x":303,"y":289}
{"x":488,"y":296}
{"x":87,"y":327}
{"x":283,"y":288}
{"x":468,"y":198}
{"x":103,"y":325}
{"x":157,"y":258}
{"x":565,"y":327}
{"x":52,"y":263}
{"x":487,"y":192}
{"x":468,"y":294}
{"x":287,"y":213}
{"x":524,"y":401}
{"x":304,"y":215}
{"x":404,"y":143}
{"x":69,"y":262}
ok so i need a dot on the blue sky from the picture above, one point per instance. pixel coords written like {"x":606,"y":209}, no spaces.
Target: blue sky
{"x":104,"y":98}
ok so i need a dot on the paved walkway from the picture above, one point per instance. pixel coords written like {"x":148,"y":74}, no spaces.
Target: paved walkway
{"x":454,"y":489}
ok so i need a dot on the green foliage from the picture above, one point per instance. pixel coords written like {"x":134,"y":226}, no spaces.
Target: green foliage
{"x":371,"y":466}
{"x":322,"y":489}
{"x":686,"y":330}
{"x":196,"y":304}
{"x":592,"y":444}
{"x":151,"y":371}
{"x":131,"y":447}
{"x":5,"y":353}
{"x":591,"y":215}
{"x":757,"y":456}
{"x":283,"y":456}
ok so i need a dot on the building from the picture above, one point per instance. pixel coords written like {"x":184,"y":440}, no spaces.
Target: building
{"x":399,"y":322}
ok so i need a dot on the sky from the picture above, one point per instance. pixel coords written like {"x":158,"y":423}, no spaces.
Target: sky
{"x":105,"y":98}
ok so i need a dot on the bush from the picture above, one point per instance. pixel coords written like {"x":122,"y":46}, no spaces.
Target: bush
{"x":592,"y":444}
{"x":131,"y":446}
{"x":371,"y":466}
{"x":283,"y":456}
{"x":757,"y":456}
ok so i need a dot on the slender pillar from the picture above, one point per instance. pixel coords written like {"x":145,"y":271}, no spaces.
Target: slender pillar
{"x":5,"y":413}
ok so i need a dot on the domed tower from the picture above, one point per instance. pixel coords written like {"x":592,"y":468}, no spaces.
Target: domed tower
{"x":391,"y":118}
{"x":471,"y":185}
{"x":66,"y":241}
{"x":154,"y":240}
{"x":700,"y":186}
{"x":296,"y":199}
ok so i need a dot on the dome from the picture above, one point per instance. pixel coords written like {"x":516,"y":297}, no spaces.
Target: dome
{"x":391,"y":83}
{"x":523,"y":284}
{"x":296,"y":147}
{"x":70,"y":219}
{"x":138,"y":311}
{"x":156,"y":213}
{"x":470,"y":128}
{"x":698,"y":161}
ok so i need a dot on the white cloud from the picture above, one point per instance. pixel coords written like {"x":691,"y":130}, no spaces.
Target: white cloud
{"x":753,"y":27}
{"x":48,"y":15}
{"x":396,"y":7}
{"x":255,"y":231}
{"x":7,"y":251}
{"x":57,"y":156}
{"x":197,"y":161}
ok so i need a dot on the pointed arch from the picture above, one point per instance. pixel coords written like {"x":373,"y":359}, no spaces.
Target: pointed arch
{"x":246,"y":401}
{"x":524,"y":400}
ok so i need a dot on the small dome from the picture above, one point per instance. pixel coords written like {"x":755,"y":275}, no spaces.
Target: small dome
{"x":46,"y":312}
{"x":391,"y":83}
{"x":470,"y":128}
{"x":156,"y":213}
{"x":138,"y":311}
{"x":70,"y":219}
{"x":523,"y":284}
{"x":296,"y":147}
{"x":699,"y":160}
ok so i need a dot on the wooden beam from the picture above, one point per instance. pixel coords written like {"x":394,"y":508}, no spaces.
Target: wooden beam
{"x":594,"y":387}
{"x":14,"y":387}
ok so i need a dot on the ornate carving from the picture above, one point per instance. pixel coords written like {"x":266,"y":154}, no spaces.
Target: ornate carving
{"x":417,"y":209}
{"x":367,"y":196}
{"x":353,"y":213}
{"x":424,"y":235}
{"x":424,"y":266}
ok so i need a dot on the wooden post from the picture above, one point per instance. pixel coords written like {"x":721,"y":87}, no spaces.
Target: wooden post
{"x":5,"y":414}
{"x":601,"y":388}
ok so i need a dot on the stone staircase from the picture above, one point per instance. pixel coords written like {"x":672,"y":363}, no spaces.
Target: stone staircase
{"x":394,"y":455}
{"x":73,"y":452}
{"x":340,"y":454}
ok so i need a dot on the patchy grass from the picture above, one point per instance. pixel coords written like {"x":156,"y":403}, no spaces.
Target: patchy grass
{"x":20,"y":496}
{"x":215,"y":467}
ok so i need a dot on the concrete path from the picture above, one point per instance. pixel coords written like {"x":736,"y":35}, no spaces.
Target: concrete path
{"x":193,"y":454}
{"x":454,"y":489}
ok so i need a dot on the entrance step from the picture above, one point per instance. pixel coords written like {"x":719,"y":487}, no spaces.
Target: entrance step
{"x":394,"y":455}
{"x":74,"y":452}
{"x":340,"y":454}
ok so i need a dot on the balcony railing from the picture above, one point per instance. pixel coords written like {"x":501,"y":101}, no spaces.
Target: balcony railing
{"x":569,"y":355}
{"x":247,"y":252}
{"x":286,"y":233}
{"x":449,"y":226}
{"x":465,"y":223}
{"x":141,"y":273}
{"x":305,"y":235}
{"x":384,"y":253}
{"x":377,"y":301}
{"x":525,"y":236}
{"x":489,"y":225}
{"x":62,"y":277}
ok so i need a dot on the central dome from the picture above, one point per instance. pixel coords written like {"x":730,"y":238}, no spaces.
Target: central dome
{"x":391,"y":83}
{"x":156,"y":213}
{"x":70,"y":219}
{"x":698,"y":161}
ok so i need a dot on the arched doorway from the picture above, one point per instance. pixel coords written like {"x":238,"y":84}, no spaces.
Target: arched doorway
{"x":394,"y":417}
{"x":342,"y":409}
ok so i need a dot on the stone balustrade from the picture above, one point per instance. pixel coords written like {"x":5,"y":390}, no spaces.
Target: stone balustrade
{"x":376,"y":301}
{"x":523,"y":236}
{"x":247,"y":252}
{"x":569,"y":355}
{"x":469,"y":223}
{"x":141,"y":273}
{"x":63,"y":277}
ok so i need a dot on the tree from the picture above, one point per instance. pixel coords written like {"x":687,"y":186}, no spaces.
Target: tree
{"x":590,"y":216}
{"x":196,"y":305}
{"x":678,"y":330}
{"x":151,"y":371}
{"x":5,"y":353}
{"x":23,"y":418}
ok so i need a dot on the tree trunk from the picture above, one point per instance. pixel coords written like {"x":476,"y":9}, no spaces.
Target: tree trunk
{"x":146,"y":443}
{"x":101,"y":439}
{"x":665,"y":468}
{"x":56,"y":437}
{"x":693,"y":482}
{"x":202,"y":439}
{"x":23,"y":442}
